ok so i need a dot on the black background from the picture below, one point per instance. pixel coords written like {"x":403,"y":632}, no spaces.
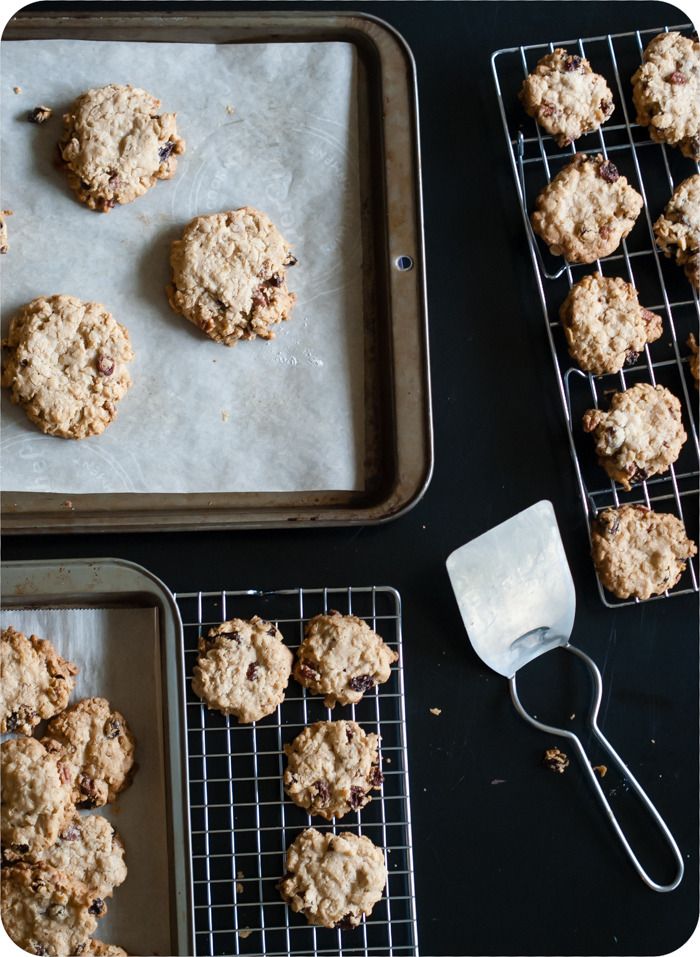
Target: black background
{"x":529,"y":865}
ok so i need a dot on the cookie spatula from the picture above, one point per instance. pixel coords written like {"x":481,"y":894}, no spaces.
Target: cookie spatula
{"x":517,"y":600}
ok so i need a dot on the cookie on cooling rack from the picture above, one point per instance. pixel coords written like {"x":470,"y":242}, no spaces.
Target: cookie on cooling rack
{"x":642,"y":434}
{"x":566,"y":97}
{"x":229,"y":275}
{"x":90,"y":850}
{"x":67,"y":365}
{"x":342,"y":658}
{"x":243,"y":668}
{"x":666,"y":92}
{"x":638,"y":552}
{"x":45,"y":911}
{"x":96,"y":745}
{"x":604,"y":325}
{"x":677,"y":230}
{"x":333,"y":879}
{"x":117,"y":144}
{"x":36,"y":681}
{"x":587,"y":210}
{"x":331,"y":768}
{"x":36,"y":798}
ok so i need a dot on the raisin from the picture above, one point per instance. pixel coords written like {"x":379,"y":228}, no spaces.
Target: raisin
{"x":308,"y":672}
{"x":97,"y":907}
{"x":276,"y":279}
{"x":604,"y":231}
{"x":547,"y":108}
{"x":572,"y":63}
{"x":605,"y":106}
{"x":375,"y":777}
{"x":165,"y":151}
{"x":323,"y":792}
{"x":252,"y":671}
{"x":40,"y":951}
{"x":272,"y":631}
{"x":349,"y":732}
{"x":105,"y":364}
{"x":678,"y":78}
{"x":231,"y":635}
{"x":111,"y":728}
{"x":639,"y":475}
{"x":86,"y":786}
{"x":361,"y":683}
{"x":291,"y":260}
{"x":20,"y":848}
{"x":346,"y":923}
{"x":608,"y":171}
{"x":631,"y":357}
{"x":357,"y":796}
{"x":608,"y":522}
{"x":71,"y":833}
{"x":12,"y":721}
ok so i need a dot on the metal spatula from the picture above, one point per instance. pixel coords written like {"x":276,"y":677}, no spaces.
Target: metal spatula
{"x":516,"y":596}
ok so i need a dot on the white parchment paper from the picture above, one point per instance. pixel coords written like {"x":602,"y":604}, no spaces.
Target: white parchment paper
{"x":117,"y":653}
{"x":268,"y":125}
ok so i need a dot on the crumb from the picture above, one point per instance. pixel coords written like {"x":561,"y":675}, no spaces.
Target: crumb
{"x":240,"y":875}
{"x":388,"y":760}
{"x":436,"y":711}
{"x":245,"y":932}
{"x":602,"y":769}
{"x":40,"y":114}
{"x":16,"y":89}
{"x":68,"y":504}
{"x":239,"y":887}
{"x":225,"y":415}
{"x":653,"y":741}
{"x":555,"y":760}
{"x":230,"y":109}
{"x":572,"y":716}
{"x":498,"y":781}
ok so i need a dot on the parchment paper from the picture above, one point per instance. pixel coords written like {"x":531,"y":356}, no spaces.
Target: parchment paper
{"x":271,"y":125}
{"x":117,"y":653}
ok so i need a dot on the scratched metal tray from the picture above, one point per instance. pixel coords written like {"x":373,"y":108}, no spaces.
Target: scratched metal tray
{"x":398,"y":429}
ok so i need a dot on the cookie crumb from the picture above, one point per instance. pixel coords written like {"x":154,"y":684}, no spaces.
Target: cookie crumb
{"x":230,"y":109}
{"x":225,"y":415}
{"x":436,"y":711}
{"x":388,"y":760}
{"x":498,"y":781}
{"x":572,"y":716}
{"x":239,"y":887}
{"x":40,"y":114}
{"x":602,"y":769}
{"x":245,"y":932}
{"x":16,"y":89}
{"x":68,"y":504}
{"x":555,"y":760}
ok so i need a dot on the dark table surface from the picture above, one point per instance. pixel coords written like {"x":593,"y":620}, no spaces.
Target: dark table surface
{"x":530,"y":865}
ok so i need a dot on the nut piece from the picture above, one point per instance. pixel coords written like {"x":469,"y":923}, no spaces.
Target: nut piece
{"x":555,"y":760}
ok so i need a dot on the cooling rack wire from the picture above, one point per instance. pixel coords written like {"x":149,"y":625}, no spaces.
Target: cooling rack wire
{"x":654,"y":170}
{"x":242,"y":822}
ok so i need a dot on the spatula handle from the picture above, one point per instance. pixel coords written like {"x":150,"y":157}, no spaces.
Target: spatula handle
{"x":593,"y":722}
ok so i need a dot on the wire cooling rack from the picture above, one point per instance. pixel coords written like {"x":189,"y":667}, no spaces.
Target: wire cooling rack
{"x":654,"y":170}
{"x":242,"y":822}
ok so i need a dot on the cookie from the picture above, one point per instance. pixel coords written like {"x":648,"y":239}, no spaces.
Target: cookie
{"x":677,"y":231}
{"x":67,"y":365}
{"x":331,"y":768}
{"x":229,"y":275}
{"x":36,"y":681}
{"x":333,"y":879}
{"x":693,"y":361}
{"x":36,"y":798}
{"x":638,"y":552}
{"x":98,"y":949}
{"x":587,"y":210}
{"x":566,"y":97}
{"x":640,"y":436}
{"x":243,"y":668}
{"x":45,"y":911}
{"x":95,"y":743}
{"x":341,"y":658}
{"x":90,"y":850}
{"x":666,"y":92}
{"x":4,"y":243}
{"x":116,"y":145}
{"x":604,"y":325}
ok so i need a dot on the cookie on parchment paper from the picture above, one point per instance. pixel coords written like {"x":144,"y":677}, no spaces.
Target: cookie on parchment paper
{"x":117,"y":144}
{"x":36,"y":681}
{"x":36,"y":798}
{"x":677,"y":230}
{"x":587,"y":209}
{"x":642,"y":434}
{"x":45,"y":911}
{"x":229,"y":275}
{"x":604,"y":325}
{"x":342,"y":658}
{"x":332,"y":766}
{"x":67,"y":365}
{"x":243,"y":668}
{"x":95,"y":743}
{"x":638,"y":552}
{"x":666,"y":92}
{"x":566,"y":97}
{"x":333,"y":879}
{"x":90,"y":850}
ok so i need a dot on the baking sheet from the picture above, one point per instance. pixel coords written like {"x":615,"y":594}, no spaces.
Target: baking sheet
{"x":118,"y":656}
{"x":268,"y":125}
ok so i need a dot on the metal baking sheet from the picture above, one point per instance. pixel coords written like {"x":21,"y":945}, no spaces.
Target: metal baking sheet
{"x":397,"y":427}
{"x":113,"y":588}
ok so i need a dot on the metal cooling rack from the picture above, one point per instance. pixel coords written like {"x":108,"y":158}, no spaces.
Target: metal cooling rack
{"x":242,"y":822}
{"x":654,"y":170}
